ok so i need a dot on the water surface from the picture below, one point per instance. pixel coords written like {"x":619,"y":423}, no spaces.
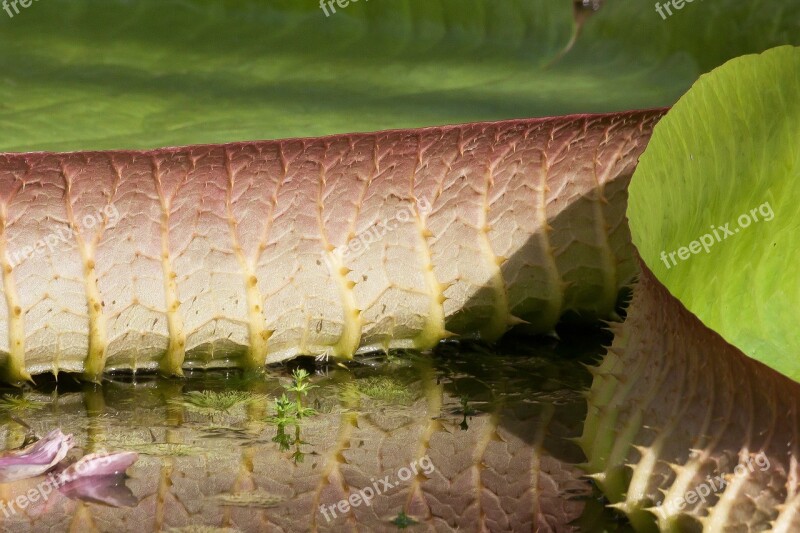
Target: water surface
{"x":486,"y":430}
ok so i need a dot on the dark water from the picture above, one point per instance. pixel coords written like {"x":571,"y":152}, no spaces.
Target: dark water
{"x":488,"y":432}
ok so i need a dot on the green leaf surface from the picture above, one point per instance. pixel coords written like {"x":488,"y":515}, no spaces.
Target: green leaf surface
{"x":101,"y":74}
{"x":723,"y":167}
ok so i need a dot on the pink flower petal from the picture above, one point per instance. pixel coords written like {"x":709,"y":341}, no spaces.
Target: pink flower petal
{"x":36,"y":459}
{"x":99,"y":464}
{"x":107,"y":490}
{"x":99,"y":478}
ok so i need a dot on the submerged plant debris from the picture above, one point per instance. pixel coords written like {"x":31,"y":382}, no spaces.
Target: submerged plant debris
{"x":259,"y":499}
{"x":20,"y":403}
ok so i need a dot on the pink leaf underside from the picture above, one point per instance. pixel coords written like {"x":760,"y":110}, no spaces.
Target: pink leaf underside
{"x":188,"y":257}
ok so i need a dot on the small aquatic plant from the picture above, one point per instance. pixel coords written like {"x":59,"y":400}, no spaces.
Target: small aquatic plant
{"x":467,"y":411}
{"x":386,"y":389}
{"x":19,"y":403}
{"x":402,"y":520}
{"x":300,"y":386}
{"x":284,"y":412}
{"x":290,"y":413}
{"x":210,"y":402}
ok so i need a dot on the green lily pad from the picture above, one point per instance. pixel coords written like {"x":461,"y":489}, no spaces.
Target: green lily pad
{"x":713,"y":204}
{"x":101,"y":74}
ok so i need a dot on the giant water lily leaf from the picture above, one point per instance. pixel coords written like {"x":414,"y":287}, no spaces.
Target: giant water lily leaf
{"x":709,"y":33}
{"x":688,"y":426}
{"x":713,"y":204}
{"x":377,"y":269}
{"x":687,"y":433}
{"x":96,"y":74}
